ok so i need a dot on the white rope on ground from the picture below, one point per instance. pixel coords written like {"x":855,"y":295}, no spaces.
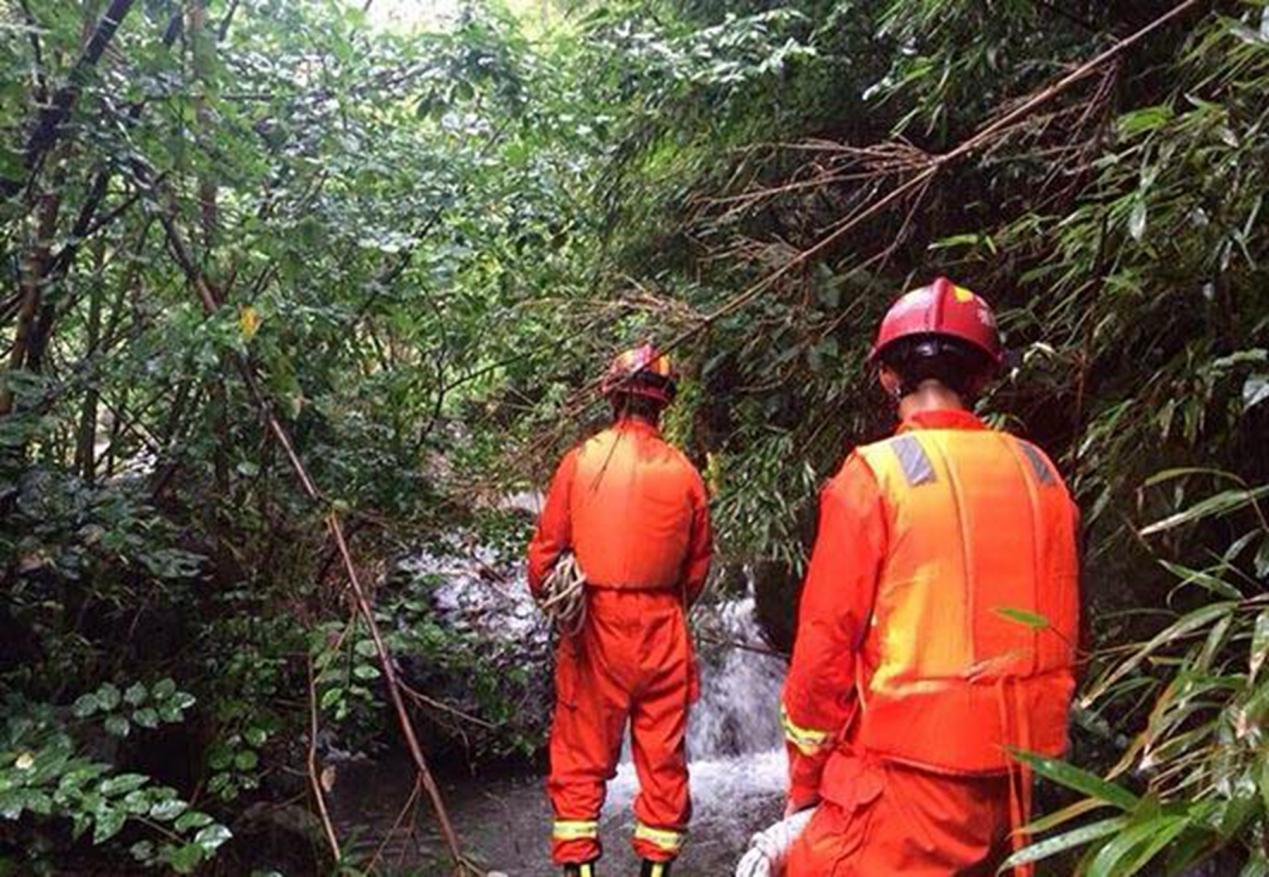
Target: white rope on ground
{"x":563,"y":599}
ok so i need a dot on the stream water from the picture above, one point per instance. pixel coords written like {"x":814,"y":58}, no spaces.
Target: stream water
{"x":737,"y":764}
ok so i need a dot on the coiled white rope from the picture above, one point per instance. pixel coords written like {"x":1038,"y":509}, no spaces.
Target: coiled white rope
{"x":563,"y":599}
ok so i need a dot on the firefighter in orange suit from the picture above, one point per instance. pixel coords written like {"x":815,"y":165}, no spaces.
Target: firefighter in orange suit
{"x":632,"y":510}
{"x":920,"y":657}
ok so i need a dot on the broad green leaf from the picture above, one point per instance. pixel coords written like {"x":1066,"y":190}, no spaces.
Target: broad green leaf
{"x":122,"y":784}
{"x":107,"y":822}
{"x":212,"y":837}
{"x":191,"y":819}
{"x":108,"y":696}
{"x":166,"y":811}
{"x":186,"y":859}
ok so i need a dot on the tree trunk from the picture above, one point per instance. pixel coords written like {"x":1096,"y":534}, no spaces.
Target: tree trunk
{"x":34,"y":268}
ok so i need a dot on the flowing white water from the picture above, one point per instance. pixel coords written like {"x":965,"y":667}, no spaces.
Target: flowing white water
{"x":736,"y":760}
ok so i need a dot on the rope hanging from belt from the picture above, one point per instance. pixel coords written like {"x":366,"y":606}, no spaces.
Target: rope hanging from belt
{"x":563,"y":599}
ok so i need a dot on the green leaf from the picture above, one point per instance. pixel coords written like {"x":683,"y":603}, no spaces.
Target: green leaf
{"x":1137,"y":219}
{"x":166,"y":811}
{"x":1212,"y":583}
{"x":137,"y":802}
{"x":1221,"y":504}
{"x":108,"y":696}
{"x":136,"y":694}
{"x":118,"y":726}
{"x":107,"y":822}
{"x":186,"y":859}
{"x":366,"y":671}
{"x":85,"y":706}
{"x":122,"y":784}
{"x":1081,"y":781}
{"x":1185,"y":625}
{"x":192,"y":819}
{"x":163,"y":689}
{"x":146,"y":717}
{"x":212,"y":837}
{"x":246,"y":760}
{"x":1255,"y":391}
{"x":1259,"y":646}
{"x":255,"y":735}
{"x":1078,"y":837}
{"x":1143,"y":120}
{"x":1029,"y":619}
{"x":1146,"y":838}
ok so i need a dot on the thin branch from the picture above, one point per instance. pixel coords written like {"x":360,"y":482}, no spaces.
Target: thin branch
{"x":314,"y":778}
{"x":48,"y":126}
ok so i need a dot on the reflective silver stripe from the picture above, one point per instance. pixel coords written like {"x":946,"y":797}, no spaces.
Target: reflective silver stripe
{"x":1039,"y":465}
{"x":915,"y":462}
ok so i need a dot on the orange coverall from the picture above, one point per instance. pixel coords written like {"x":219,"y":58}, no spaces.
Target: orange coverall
{"x":634,"y":512}
{"x":923,"y":794}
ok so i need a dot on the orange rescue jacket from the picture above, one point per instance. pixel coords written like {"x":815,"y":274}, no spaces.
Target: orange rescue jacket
{"x":634,"y":511}
{"x":940,"y":612}
{"x":976,"y":616}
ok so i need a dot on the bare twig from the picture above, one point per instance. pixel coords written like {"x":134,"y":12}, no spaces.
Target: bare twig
{"x":314,"y":777}
{"x":210,"y":298}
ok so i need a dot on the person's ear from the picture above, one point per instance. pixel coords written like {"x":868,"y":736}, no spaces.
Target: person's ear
{"x":890,"y":381}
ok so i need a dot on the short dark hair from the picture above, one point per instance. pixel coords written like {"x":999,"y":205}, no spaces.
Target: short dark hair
{"x":636,"y":405}
{"x":957,"y":365}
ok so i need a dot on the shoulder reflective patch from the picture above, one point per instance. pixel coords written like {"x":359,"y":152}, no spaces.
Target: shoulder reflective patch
{"x":916,"y":464}
{"x":1039,"y":465}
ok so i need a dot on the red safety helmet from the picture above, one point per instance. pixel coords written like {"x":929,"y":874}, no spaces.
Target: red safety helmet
{"x":941,"y":309}
{"x":642,"y":371}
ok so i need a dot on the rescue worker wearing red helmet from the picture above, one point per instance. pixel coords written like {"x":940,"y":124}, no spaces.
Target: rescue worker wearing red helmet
{"x":914,"y":671}
{"x":633,"y":511}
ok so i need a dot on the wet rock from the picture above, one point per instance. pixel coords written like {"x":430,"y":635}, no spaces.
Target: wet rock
{"x":776,"y":588}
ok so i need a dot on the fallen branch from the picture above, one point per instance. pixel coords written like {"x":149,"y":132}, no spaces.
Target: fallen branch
{"x":314,"y":778}
{"x":210,"y":298}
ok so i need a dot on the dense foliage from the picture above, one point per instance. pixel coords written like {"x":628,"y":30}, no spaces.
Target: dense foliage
{"x":409,"y":252}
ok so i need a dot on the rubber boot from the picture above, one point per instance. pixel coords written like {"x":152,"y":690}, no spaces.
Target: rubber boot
{"x":585,"y":869}
{"x":654,"y":869}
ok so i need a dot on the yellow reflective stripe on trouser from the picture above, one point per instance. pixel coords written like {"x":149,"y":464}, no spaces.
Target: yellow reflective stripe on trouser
{"x":664,"y":838}
{"x":809,"y":741}
{"x":564,"y":829}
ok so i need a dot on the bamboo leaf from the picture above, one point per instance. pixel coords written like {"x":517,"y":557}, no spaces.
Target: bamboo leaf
{"x":1070,"y":840}
{"x":1080,"y":780}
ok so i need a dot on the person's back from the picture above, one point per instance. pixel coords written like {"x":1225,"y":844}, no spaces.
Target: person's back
{"x":938,"y":620}
{"x":981,"y":547}
{"x":632,"y":503}
{"x":633,"y":512}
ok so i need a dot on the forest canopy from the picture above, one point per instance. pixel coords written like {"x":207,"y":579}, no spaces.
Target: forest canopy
{"x":288,"y":293}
